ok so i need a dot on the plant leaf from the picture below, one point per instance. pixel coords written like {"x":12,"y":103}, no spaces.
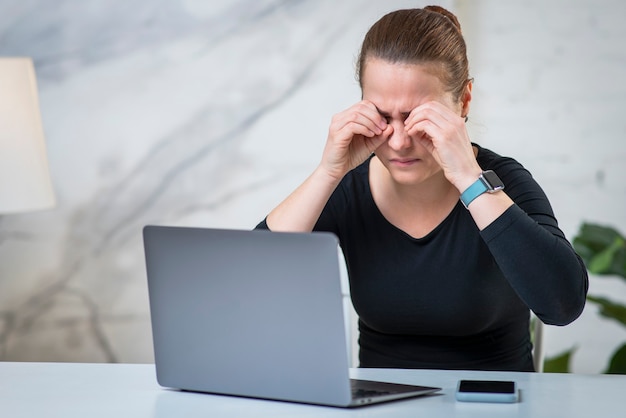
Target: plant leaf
{"x":617,"y":364}
{"x":609,"y":309}
{"x":602,"y":262}
{"x":597,"y":236}
{"x":559,"y":363}
{"x":602,"y":248}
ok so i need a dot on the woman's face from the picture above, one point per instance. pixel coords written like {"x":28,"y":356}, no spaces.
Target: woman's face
{"x":397,"y":89}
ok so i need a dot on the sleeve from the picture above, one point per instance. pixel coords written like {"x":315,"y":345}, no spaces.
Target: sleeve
{"x":534,"y":255}
{"x":262,"y":224}
{"x":327,"y":221}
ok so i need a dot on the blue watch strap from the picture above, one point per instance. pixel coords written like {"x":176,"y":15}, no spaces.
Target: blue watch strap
{"x":476,"y":189}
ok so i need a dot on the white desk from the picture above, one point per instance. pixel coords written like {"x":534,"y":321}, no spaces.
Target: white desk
{"x":125,"y":390}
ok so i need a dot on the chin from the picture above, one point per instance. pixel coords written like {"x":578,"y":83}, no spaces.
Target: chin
{"x":407,"y":179}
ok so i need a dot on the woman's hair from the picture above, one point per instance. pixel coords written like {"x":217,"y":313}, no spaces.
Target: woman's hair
{"x":431,"y":35}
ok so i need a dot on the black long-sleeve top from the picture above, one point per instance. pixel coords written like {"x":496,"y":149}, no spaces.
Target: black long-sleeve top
{"x":457,"y":298}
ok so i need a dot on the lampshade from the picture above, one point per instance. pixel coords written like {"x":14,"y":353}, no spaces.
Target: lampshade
{"x":25,"y":183}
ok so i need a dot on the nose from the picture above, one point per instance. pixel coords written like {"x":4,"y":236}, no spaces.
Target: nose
{"x":399,"y":139}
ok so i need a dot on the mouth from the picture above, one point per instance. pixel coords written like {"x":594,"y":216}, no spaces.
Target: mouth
{"x":404,"y":162}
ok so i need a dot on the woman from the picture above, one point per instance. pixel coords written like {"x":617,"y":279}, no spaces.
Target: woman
{"x":444,"y":263}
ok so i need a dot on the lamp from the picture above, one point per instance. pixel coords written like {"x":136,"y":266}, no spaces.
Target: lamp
{"x":25,"y":183}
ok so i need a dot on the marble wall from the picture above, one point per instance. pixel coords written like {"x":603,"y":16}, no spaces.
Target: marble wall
{"x":208,"y":113}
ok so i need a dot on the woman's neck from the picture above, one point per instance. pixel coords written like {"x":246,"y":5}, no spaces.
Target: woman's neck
{"x":416,"y":209}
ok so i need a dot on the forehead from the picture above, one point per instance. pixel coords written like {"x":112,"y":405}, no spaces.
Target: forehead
{"x":384,"y":81}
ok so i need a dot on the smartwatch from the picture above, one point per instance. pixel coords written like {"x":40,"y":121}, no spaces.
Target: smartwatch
{"x":488,"y":182}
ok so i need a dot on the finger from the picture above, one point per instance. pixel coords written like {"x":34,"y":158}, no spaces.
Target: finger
{"x":370,"y":110}
{"x":421,"y":114}
{"x":437,"y":125}
{"x":424,"y":127}
{"x":377,"y":141}
{"x":355,"y":118}
{"x":438,"y":108}
{"x":437,"y":112}
{"x":351,"y":129}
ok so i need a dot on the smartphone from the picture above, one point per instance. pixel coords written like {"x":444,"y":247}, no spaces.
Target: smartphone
{"x":498,"y":391}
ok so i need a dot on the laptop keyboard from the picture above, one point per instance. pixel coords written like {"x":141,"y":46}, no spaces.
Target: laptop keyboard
{"x":358,"y":393}
{"x":370,"y":389}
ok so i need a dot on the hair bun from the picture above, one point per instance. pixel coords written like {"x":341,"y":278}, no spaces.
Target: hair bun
{"x":446,"y":13}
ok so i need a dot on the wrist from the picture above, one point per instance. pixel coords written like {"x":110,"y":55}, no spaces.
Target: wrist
{"x":464,"y":183}
{"x":329,"y":177}
{"x":487,"y":182}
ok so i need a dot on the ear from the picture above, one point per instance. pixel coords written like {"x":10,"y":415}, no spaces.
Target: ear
{"x":466,"y":98}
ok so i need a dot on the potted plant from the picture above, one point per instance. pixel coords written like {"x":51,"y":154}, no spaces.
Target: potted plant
{"x":604,"y":251}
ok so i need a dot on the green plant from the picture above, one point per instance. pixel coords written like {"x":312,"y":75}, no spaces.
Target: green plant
{"x":604,"y":251}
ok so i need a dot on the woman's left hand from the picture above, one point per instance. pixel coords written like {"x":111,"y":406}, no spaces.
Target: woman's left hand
{"x":442,"y":132}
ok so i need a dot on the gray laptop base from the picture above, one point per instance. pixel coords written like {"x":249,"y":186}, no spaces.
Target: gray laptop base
{"x":252,"y":313}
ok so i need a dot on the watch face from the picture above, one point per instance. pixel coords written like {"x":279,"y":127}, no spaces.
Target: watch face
{"x":493,"y":181}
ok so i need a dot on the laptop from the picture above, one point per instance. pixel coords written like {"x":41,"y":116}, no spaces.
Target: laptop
{"x":256,"y":314}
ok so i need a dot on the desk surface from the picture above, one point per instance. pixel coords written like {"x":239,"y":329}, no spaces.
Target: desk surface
{"x":130,"y":390}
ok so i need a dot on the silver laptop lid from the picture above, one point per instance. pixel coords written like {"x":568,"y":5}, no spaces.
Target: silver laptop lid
{"x":248,"y":313}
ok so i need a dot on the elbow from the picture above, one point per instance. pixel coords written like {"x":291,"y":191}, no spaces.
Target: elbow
{"x":563,"y":315}
{"x":567,"y":307}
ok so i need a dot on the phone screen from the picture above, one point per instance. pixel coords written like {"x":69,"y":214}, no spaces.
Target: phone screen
{"x":486,"y":386}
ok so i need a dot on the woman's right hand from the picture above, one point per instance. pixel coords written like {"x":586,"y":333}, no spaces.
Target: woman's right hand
{"x":353,"y":136}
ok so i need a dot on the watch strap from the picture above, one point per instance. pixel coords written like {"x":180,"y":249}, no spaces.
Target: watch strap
{"x":472,"y":192}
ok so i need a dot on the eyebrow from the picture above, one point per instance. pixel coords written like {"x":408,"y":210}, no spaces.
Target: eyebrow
{"x":387,"y":114}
